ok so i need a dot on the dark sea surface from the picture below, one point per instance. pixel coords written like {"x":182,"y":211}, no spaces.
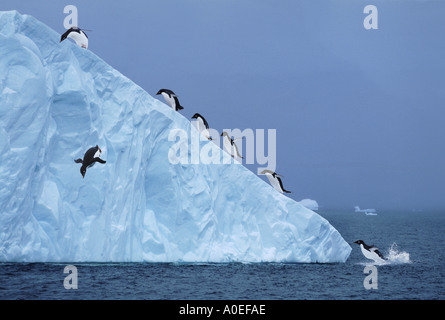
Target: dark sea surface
{"x":413,"y":242}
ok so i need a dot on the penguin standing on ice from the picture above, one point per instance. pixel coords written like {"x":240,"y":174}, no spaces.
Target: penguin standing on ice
{"x":78,"y":35}
{"x":275,"y":180}
{"x":230,"y":146}
{"x":89,"y":159}
{"x":171,"y":99}
{"x":202,"y":125}
{"x":370,"y":252}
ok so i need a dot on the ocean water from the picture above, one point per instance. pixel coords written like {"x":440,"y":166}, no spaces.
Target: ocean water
{"x":412,"y":242}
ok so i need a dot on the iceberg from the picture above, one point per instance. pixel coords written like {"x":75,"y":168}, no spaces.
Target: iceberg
{"x":58,"y":100}
{"x":366,"y":211}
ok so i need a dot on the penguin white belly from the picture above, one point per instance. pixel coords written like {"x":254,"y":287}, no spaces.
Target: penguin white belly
{"x":236,"y":152}
{"x":370,"y":254}
{"x":203,"y":129}
{"x":97,"y":154}
{"x":206,"y":134}
{"x":79,"y":38}
{"x":228,"y":146}
{"x":274,"y":182}
{"x":200,"y":126}
{"x":170,"y":100}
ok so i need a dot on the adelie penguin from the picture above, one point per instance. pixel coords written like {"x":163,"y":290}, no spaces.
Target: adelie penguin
{"x":171,"y":99}
{"x":230,"y":145}
{"x":275,"y":180}
{"x":78,"y":35}
{"x":202,"y":125}
{"x":89,"y":159}
{"x":370,"y":252}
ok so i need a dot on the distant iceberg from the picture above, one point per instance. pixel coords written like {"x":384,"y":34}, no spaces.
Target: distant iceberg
{"x":57,"y":101}
{"x":310,"y":204}
{"x":368,"y":212}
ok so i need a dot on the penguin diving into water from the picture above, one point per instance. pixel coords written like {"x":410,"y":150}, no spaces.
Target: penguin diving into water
{"x":89,"y":159}
{"x":370,"y":252}
{"x":171,"y":99}
{"x":202,"y":125}
{"x":78,"y":35}
{"x":275,"y":180}
{"x":230,"y":145}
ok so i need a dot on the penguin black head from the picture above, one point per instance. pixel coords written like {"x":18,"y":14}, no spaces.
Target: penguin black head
{"x":359,"y":242}
{"x":83,"y":170}
{"x":160,"y":91}
{"x":196,"y":115}
{"x":67,"y":32}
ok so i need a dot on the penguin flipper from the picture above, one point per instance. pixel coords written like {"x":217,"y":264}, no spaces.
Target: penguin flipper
{"x":78,"y":161}
{"x":376,"y":250}
{"x":287,"y":191}
{"x":99,"y":160}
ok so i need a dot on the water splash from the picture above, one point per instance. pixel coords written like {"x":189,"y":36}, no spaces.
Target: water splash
{"x":396,"y":256}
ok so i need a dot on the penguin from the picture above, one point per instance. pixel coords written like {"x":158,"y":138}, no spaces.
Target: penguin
{"x":202,"y":125}
{"x":171,"y":99}
{"x":78,"y":35}
{"x":89,"y":159}
{"x":370,"y":252}
{"x":275,"y":180}
{"x":230,"y":146}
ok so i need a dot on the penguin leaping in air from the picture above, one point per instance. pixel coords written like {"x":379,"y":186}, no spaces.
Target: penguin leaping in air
{"x":78,"y":35}
{"x":89,"y":159}
{"x":171,"y":99}
{"x":230,"y":145}
{"x":275,"y":180}
{"x":202,"y":125}
{"x":370,"y":252}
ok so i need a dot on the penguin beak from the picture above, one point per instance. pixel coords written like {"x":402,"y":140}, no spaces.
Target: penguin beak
{"x":356,"y":241}
{"x":221,"y":134}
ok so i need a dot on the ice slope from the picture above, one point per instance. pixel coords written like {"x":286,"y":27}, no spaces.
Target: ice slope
{"x":56,"y":101}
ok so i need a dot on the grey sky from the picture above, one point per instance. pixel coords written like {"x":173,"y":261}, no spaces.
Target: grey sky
{"x":359,"y":113}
